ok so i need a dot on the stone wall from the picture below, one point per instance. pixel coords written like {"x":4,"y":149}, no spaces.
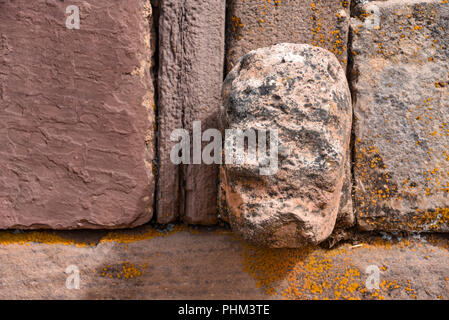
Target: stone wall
{"x":87,"y":114}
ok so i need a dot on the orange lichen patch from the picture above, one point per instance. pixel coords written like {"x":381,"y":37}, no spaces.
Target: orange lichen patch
{"x":322,"y":278}
{"x":302,"y":273}
{"x":316,"y":273}
{"x":52,"y":237}
{"x":268,"y":17}
{"x":125,"y":271}
{"x":441,"y":84}
{"x":437,"y":241}
{"x":47,"y":237}
{"x":331,"y":40}
{"x":432,"y":220}
{"x":371,"y":172}
{"x":382,"y":191}
{"x":269,"y":266}
{"x":408,"y":29}
{"x":237,"y":23}
{"x":129,"y":237}
{"x":345,"y":3}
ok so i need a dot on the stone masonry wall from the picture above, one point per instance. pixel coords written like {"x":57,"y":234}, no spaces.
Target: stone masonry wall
{"x":87,"y":114}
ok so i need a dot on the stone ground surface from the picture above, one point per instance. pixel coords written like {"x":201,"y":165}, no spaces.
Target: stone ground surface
{"x":207,"y":263}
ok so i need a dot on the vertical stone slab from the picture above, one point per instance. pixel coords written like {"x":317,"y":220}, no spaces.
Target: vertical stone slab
{"x":204,"y":50}
{"x":76,"y":114}
{"x":170,"y":108}
{"x":253,"y":24}
{"x":400,"y":83}
{"x":190,"y":80}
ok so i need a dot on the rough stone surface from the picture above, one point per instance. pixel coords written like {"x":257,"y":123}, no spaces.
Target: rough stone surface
{"x":183,"y":265}
{"x":400,"y":81}
{"x":253,"y":24}
{"x":301,"y":91}
{"x":76,"y":115}
{"x":190,"y":79}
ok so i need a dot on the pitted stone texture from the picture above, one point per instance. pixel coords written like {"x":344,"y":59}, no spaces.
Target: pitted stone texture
{"x":190,"y":79}
{"x":301,"y":91}
{"x":346,"y":215}
{"x":253,"y":24}
{"x":400,"y":81}
{"x":76,"y":114}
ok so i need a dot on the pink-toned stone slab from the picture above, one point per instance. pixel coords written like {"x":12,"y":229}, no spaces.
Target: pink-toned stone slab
{"x":253,"y":24}
{"x":190,"y":79}
{"x":76,"y":114}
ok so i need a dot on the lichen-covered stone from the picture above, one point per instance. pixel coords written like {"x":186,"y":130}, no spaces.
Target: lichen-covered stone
{"x":400,"y":82}
{"x":253,"y":24}
{"x":76,"y":114}
{"x":302,"y":92}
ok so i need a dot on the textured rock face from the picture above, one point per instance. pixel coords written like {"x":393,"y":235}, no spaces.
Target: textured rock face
{"x":400,"y":81}
{"x":76,"y":115}
{"x":302,"y":92}
{"x":190,"y":81}
{"x":253,"y":24}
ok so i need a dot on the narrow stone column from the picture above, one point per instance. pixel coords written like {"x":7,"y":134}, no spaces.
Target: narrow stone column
{"x":190,"y":80}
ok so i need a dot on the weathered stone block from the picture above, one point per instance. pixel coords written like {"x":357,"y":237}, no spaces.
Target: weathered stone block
{"x":400,"y":82}
{"x":190,"y":80}
{"x":253,"y":24}
{"x":302,"y":92}
{"x":76,"y":114}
